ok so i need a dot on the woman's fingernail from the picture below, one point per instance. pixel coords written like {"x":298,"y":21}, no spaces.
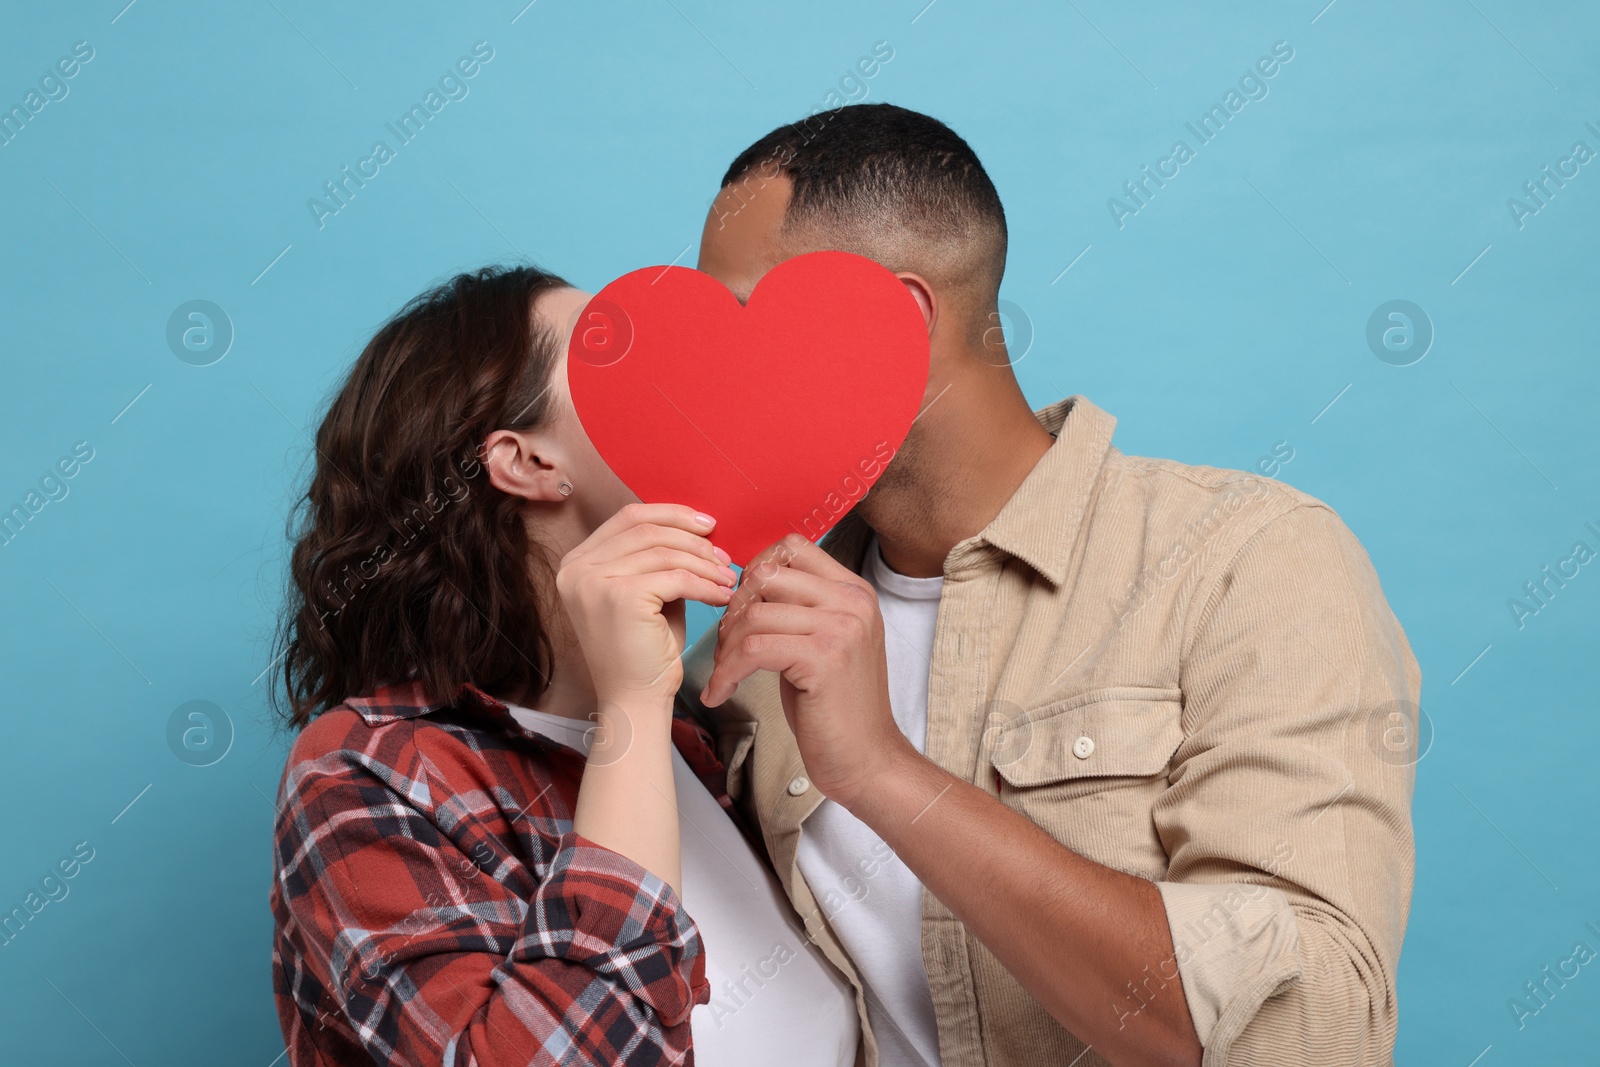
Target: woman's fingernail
{"x":723,"y":556}
{"x":703,"y":519}
{"x":727,"y":573}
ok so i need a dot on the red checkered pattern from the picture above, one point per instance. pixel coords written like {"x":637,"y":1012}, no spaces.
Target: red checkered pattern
{"x":433,"y":905}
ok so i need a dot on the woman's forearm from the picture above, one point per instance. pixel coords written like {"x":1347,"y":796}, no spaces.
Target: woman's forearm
{"x":627,"y":801}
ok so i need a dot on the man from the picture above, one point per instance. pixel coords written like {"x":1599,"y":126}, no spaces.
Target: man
{"x":1064,"y":756}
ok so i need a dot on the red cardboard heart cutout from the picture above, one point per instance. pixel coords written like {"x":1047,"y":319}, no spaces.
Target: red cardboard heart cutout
{"x":772,"y":417}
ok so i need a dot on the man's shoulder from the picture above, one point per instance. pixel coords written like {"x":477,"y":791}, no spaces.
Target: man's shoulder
{"x":1168,"y":475}
{"x":1208,"y":520}
{"x":1212,"y":522}
{"x":1168,"y":494}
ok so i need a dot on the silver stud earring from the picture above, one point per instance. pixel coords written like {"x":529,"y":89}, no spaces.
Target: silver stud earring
{"x":565,"y":488}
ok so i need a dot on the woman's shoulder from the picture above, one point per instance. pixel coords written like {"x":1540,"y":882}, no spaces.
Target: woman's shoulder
{"x":388,"y":723}
{"x":345,"y":740}
{"x":423,"y":753}
{"x":341,"y":762}
{"x":330,"y":732}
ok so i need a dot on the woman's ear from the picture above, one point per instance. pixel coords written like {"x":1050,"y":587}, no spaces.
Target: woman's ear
{"x":922,"y":293}
{"x":522,"y":465}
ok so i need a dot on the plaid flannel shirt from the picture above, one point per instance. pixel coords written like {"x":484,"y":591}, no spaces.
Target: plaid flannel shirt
{"x":432,"y":904}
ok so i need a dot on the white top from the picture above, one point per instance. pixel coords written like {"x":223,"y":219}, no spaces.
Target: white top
{"x":871,"y":899}
{"x":774,"y":997}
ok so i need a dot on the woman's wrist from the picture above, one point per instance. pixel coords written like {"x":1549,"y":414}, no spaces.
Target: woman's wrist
{"x":623,"y":721}
{"x":627,"y":801}
{"x":640,"y":700}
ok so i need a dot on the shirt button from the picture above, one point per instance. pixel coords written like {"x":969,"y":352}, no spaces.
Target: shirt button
{"x":799,"y":785}
{"x":1083,"y":747}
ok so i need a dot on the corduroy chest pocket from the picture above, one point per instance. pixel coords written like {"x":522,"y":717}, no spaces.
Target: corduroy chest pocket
{"x":1088,"y":769}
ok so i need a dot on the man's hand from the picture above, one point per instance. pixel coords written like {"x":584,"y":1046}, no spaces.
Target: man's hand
{"x":801,"y":614}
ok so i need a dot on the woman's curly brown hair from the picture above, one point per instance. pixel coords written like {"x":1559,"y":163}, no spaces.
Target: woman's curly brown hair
{"x":407,"y":562}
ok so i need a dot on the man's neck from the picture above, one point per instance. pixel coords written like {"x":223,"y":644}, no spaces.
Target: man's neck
{"x":958,"y":483}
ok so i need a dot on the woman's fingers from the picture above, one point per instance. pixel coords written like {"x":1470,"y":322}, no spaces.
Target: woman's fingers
{"x":678,"y":516}
{"x":650,"y":535}
{"x":663,"y":558}
{"x":665,"y":586}
{"x":623,"y":589}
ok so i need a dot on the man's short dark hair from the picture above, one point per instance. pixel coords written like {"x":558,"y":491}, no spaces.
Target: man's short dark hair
{"x":878,"y":168}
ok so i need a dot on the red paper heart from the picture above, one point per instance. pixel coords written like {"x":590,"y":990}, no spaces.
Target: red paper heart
{"x":773,"y":417}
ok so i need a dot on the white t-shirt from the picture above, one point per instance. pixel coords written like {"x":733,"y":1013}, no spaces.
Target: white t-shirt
{"x":774,"y":998}
{"x":871,"y":899}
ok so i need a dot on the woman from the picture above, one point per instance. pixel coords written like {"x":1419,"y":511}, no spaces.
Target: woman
{"x":494,"y":825}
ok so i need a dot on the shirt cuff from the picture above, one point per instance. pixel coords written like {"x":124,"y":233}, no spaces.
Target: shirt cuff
{"x":599,"y":910}
{"x":1235,"y":946}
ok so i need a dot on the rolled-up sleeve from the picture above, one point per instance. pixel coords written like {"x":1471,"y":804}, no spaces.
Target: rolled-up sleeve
{"x":1287,"y":822}
{"x":415,"y":955}
{"x":603,"y":912}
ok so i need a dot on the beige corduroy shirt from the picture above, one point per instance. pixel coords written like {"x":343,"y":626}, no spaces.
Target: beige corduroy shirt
{"x":1184,"y":673}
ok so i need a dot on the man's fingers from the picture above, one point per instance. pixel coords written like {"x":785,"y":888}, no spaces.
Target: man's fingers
{"x":762,"y":617}
{"x":773,"y":559}
{"x":790,"y":592}
{"x":772,"y":618}
{"x":753,"y":652}
{"x":759,"y":616}
{"x":769,"y":559}
{"x":796,"y":553}
{"x":797,"y":570}
{"x":782,"y":586}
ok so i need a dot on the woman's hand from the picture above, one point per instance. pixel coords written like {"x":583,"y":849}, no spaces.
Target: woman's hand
{"x":623,"y":589}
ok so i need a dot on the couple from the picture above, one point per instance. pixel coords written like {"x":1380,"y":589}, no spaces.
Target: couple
{"x":1047,"y":753}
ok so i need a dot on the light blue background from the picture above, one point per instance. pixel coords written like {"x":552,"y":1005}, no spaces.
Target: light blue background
{"x":1222,"y":319}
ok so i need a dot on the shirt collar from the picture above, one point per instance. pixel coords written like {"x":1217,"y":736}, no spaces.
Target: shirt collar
{"x":410,"y":699}
{"x":1039,"y":524}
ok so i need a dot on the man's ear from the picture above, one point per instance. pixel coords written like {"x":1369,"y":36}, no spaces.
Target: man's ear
{"x":522,"y":465}
{"x":922,"y":293}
